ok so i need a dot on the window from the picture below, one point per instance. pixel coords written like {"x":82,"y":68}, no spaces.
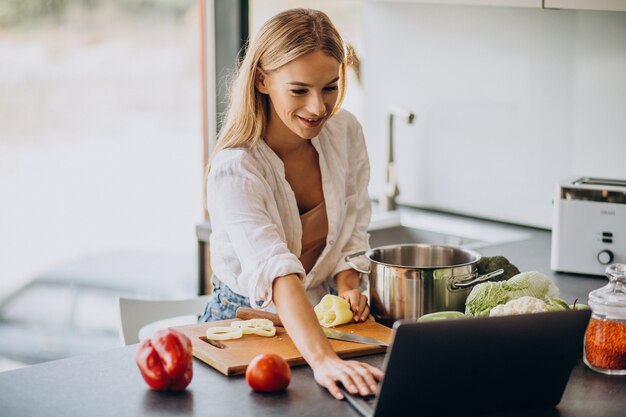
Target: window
{"x":100,"y":144}
{"x":31,"y":307}
{"x":100,"y":131}
{"x":96,"y":312}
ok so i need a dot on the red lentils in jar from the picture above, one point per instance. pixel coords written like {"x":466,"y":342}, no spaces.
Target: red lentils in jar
{"x":605,"y":338}
{"x":605,"y":345}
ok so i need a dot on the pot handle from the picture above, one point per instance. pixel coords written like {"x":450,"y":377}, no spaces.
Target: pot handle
{"x":353,"y":266}
{"x":478,"y":279}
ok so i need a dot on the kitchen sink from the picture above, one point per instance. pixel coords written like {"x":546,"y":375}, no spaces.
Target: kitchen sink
{"x":406,"y":234}
{"x":418,"y":226}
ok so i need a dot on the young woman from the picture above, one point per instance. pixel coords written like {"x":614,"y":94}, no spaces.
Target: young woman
{"x":287,"y":191}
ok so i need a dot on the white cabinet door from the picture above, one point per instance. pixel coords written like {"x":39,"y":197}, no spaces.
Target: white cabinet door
{"x":505,"y":3}
{"x":610,"y":5}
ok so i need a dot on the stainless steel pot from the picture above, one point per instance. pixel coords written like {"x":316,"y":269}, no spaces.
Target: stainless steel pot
{"x":408,"y":281}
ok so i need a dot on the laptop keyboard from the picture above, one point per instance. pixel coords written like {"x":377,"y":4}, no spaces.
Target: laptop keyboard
{"x":370,"y":399}
{"x":364,"y":405}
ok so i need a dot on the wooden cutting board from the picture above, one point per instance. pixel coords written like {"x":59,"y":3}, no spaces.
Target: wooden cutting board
{"x":234,"y":355}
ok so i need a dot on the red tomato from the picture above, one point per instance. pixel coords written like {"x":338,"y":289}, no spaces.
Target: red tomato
{"x":268,"y":373}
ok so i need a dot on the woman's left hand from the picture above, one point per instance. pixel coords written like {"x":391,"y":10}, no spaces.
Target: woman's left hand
{"x":358,"y":304}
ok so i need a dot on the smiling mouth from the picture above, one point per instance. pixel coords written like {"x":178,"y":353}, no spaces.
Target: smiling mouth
{"x":311,"y":122}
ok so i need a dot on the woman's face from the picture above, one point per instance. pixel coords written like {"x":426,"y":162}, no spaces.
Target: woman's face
{"x":302,"y":93}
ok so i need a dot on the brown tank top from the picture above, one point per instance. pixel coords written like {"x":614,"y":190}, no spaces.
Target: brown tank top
{"x":314,"y":232}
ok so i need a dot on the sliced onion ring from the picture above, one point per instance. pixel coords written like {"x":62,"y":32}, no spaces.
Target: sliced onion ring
{"x":260,"y":327}
{"x":252,"y":323}
{"x":223,"y":333}
{"x":245,"y":326}
{"x":263,"y":323}
{"x":265,"y":331}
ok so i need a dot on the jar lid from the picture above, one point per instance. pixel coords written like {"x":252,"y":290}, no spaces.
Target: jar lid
{"x":610,"y":300}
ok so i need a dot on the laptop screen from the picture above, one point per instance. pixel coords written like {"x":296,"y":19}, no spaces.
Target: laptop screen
{"x":478,"y":365}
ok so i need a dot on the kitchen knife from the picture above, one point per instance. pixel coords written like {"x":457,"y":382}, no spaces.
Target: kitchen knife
{"x":351,"y":337}
{"x":246,"y":313}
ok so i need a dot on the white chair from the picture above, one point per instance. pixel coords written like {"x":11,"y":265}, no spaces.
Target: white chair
{"x":137,"y":314}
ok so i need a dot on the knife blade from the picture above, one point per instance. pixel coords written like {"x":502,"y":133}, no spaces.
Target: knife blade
{"x":351,"y":337}
{"x":246,"y":313}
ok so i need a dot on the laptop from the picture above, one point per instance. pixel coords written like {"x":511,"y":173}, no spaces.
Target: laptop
{"x":477,"y":365}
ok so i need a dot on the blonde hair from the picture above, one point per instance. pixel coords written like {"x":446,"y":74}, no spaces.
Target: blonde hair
{"x":282,"y":39}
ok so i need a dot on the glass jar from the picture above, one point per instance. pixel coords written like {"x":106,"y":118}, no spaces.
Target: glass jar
{"x":605,"y":338}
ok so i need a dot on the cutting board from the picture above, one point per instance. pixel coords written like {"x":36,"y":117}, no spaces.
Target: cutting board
{"x":233,"y":356}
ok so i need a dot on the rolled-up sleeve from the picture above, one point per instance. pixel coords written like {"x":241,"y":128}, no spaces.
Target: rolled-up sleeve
{"x":360,"y":171}
{"x":235,"y":195}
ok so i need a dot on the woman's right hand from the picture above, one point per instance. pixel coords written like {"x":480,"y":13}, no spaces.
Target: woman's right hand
{"x":301,"y":323}
{"x":356,"y":377}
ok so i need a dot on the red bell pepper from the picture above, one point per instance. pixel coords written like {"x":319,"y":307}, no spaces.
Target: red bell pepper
{"x":165,"y":360}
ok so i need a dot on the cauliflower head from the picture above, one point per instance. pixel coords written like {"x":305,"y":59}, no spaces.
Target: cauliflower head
{"x":487,"y":295}
{"x":522,"y":305}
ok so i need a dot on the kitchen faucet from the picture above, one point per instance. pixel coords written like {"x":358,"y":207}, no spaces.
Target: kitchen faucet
{"x":387,"y":199}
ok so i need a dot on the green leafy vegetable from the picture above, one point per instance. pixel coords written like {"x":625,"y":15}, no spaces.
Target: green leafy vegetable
{"x":487,"y":295}
{"x":557,"y":304}
{"x":442,"y":315}
{"x":488,"y":264}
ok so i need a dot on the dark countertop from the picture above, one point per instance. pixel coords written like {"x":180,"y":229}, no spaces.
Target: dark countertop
{"x":109,"y":384}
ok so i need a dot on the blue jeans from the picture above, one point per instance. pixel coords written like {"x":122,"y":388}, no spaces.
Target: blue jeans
{"x":223,"y":304}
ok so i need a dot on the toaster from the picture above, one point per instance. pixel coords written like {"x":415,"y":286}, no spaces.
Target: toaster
{"x":589,"y":225}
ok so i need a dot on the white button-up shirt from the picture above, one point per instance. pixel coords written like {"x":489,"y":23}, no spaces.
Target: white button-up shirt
{"x":256,"y":233}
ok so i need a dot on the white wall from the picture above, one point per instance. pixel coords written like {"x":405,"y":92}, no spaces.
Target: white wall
{"x":509,"y":101}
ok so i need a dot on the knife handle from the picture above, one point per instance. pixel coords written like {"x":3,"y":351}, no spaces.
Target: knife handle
{"x":246,"y":313}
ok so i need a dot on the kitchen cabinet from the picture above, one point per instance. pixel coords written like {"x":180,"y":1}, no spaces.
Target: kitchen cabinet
{"x":502,"y":3}
{"x":608,"y":5}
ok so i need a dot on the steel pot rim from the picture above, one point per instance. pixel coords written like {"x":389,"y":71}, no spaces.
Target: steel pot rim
{"x":470,"y":252}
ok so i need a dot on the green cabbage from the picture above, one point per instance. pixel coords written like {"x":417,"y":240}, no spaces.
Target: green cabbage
{"x":487,"y":295}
